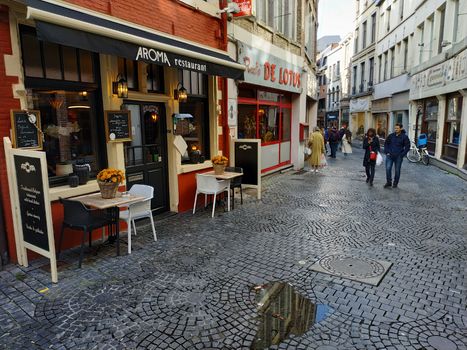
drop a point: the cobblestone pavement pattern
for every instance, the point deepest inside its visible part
(192, 288)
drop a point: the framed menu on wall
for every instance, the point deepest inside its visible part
(118, 126)
(26, 129)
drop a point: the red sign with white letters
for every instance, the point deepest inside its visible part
(246, 8)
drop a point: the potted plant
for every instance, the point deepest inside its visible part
(219, 163)
(108, 180)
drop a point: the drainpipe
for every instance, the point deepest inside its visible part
(3, 245)
(224, 107)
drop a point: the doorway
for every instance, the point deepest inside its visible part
(146, 154)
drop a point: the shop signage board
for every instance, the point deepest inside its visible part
(28, 180)
(440, 79)
(118, 126)
(247, 155)
(264, 69)
(26, 132)
(247, 8)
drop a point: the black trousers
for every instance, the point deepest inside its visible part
(370, 171)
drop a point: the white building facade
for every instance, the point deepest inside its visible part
(363, 67)
(438, 79)
(276, 102)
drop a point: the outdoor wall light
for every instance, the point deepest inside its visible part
(120, 87)
(180, 94)
(154, 116)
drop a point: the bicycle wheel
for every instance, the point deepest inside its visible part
(425, 158)
(413, 155)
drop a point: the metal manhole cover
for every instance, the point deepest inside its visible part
(355, 268)
(441, 343)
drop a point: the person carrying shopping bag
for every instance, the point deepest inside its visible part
(316, 144)
(347, 143)
(372, 148)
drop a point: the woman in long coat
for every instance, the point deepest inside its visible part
(347, 142)
(370, 144)
(316, 144)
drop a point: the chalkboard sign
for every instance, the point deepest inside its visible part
(30, 188)
(246, 157)
(26, 129)
(118, 126)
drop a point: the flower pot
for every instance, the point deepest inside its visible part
(108, 189)
(218, 169)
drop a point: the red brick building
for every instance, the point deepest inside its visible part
(62, 58)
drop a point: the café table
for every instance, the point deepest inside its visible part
(113, 205)
(226, 175)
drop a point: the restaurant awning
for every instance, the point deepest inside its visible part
(70, 25)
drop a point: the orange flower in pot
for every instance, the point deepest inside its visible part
(219, 163)
(108, 180)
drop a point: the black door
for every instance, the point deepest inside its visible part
(146, 155)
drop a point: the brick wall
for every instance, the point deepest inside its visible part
(169, 16)
(7, 102)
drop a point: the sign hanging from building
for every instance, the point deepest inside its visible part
(264, 69)
(247, 8)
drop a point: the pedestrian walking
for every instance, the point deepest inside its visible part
(342, 131)
(316, 144)
(333, 141)
(371, 147)
(396, 147)
(347, 143)
(325, 134)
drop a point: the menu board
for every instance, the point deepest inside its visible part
(30, 187)
(247, 155)
(26, 129)
(118, 126)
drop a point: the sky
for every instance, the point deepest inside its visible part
(335, 17)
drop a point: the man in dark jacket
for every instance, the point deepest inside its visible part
(333, 141)
(396, 147)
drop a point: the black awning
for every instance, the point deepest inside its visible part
(139, 44)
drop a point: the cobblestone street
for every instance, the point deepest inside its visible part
(192, 289)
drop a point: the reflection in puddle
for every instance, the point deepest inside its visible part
(282, 313)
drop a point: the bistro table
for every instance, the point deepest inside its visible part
(226, 175)
(113, 205)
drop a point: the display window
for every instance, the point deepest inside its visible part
(267, 117)
(381, 124)
(430, 123)
(452, 127)
(194, 129)
(61, 82)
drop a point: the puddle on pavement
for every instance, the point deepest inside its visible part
(282, 313)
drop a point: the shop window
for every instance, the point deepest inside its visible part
(382, 126)
(268, 123)
(129, 70)
(452, 128)
(69, 124)
(54, 62)
(246, 121)
(430, 124)
(247, 92)
(195, 130)
(155, 78)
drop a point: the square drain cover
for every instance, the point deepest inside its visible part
(363, 270)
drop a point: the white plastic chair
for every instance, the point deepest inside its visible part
(210, 185)
(139, 210)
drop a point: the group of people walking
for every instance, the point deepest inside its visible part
(396, 147)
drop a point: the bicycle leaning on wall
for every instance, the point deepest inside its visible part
(418, 151)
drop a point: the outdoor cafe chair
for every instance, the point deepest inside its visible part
(139, 210)
(209, 185)
(235, 183)
(77, 217)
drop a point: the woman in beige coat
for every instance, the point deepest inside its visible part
(316, 144)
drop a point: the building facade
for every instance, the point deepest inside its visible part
(438, 80)
(63, 60)
(277, 99)
(363, 67)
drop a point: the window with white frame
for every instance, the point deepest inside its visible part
(309, 32)
(280, 15)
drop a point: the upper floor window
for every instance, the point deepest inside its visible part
(280, 15)
(388, 18)
(373, 27)
(364, 35)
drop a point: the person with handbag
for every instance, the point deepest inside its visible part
(372, 148)
(316, 144)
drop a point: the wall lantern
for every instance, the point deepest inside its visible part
(180, 94)
(154, 116)
(120, 87)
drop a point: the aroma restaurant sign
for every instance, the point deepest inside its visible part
(265, 69)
